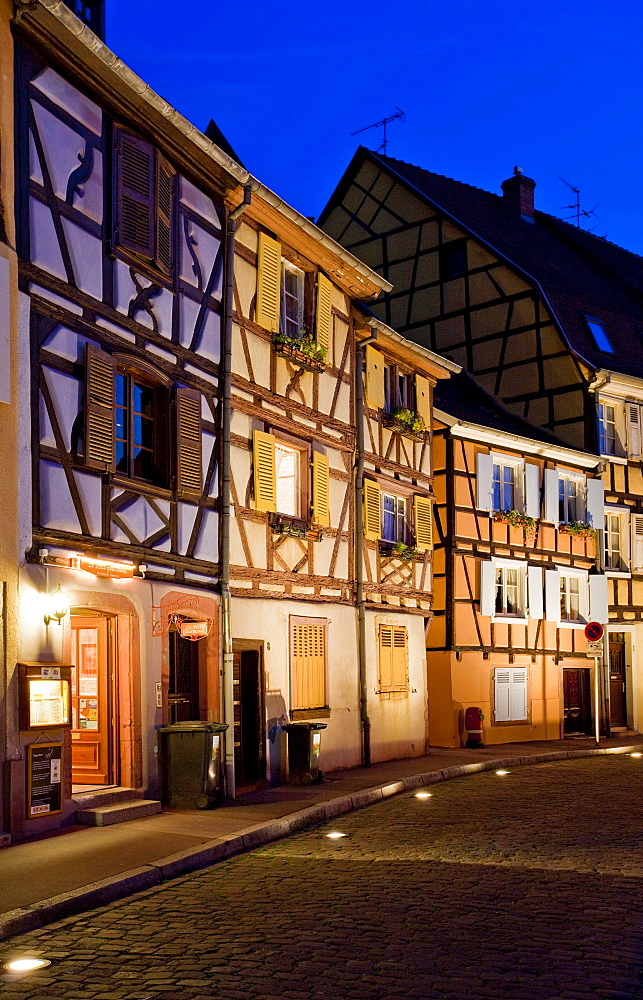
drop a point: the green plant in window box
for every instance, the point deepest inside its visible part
(403, 551)
(578, 529)
(516, 519)
(303, 350)
(407, 421)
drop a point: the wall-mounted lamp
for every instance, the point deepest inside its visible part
(57, 606)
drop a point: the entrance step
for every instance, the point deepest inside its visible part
(120, 812)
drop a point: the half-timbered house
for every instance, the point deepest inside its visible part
(545, 316)
(516, 577)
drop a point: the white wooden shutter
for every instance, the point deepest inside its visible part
(484, 481)
(637, 542)
(518, 695)
(551, 495)
(598, 599)
(595, 503)
(633, 420)
(535, 591)
(487, 587)
(532, 489)
(502, 684)
(552, 595)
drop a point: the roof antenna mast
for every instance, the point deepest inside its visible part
(382, 123)
(576, 207)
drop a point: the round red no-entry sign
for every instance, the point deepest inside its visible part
(594, 631)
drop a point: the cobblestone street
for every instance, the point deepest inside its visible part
(527, 886)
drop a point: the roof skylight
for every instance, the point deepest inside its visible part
(599, 335)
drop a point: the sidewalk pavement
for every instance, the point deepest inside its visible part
(80, 867)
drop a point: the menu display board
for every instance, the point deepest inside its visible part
(45, 698)
(44, 779)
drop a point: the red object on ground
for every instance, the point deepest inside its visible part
(473, 724)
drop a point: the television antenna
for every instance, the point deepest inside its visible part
(382, 123)
(579, 212)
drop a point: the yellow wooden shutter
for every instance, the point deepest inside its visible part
(309, 665)
(372, 510)
(423, 512)
(265, 479)
(374, 378)
(386, 657)
(399, 659)
(324, 317)
(423, 399)
(268, 283)
(321, 489)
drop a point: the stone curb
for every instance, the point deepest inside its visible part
(36, 915)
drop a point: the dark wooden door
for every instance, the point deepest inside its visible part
(183, 688)
(91, 732)
(249, 735)
(618, 699)
(577, 701)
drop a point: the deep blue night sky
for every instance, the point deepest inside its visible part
(554, 87)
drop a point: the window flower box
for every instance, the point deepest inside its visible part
(302, 351)
(577, 529)
(296, 527)
(516, 519)
(398, 550)
(406, 422)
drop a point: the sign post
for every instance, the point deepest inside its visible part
(594, 636)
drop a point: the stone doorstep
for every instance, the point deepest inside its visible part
(105, 796)
(120, 812)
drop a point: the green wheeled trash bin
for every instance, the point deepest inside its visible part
(191, 764)
(304, 745)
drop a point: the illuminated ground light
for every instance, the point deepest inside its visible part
(423, 795)
(503, 772)
(26, 964)
(335, 835)
(636, 755)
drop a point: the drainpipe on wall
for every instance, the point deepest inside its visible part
(359, 547)
(224, 554)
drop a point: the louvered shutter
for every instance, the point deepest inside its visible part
(189, 473)
(374, 378)
(423, 399)
(637, 542)
(265, 478)
(324, 317)
(633, 413)
(552, 595)
(308, 644)
(100, 382)
(399, 665)
(372, 510)
(595, 503)
(423, 515)
(502, 695)
(535, 591)
(321, 490)
(268, 283)
(164, 187)
(487, 587)
(386, 657)
(134, 211)
(532, 489)
(484, 481)
(552, 507)
(598, 599)
(518, 695)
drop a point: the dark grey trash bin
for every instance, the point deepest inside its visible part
(304, 746)
(191, 764)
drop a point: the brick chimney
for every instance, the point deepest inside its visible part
(518, 193)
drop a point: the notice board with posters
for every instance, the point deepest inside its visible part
(44, 779)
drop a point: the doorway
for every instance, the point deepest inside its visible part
(618, 692)
(183, 694)
(577, 701)
(93, 733)
(249, 728)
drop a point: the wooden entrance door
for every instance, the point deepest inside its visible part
(183, 688)
(91, 702)
(618, 698)
(249, 730)
(577, 701)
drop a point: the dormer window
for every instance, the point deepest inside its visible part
(599, 335)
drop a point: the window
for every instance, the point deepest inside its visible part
(282, 483)
(386, 517)
(571, 500)
(572, 598)
(394, 527)
(510, 589)
(504, 486)
(292, 300)
(507, 482)
(399, 389)
(616, 537)
(607, 437)
(127, 426)
(393, 652)
(600, 337)
(308, 663)
(510, 694)
(288, 479)
(453, 260)
(143, 204)
(571, 496)
(508, 592)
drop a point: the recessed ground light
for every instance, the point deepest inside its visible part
(26, 964)
(335, 835)
(503, 772)
(423, 795)
(636, 755)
